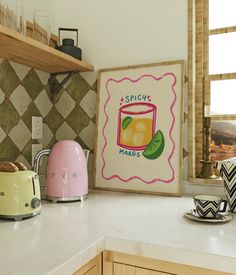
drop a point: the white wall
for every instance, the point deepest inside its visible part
(121, 32)
(126, 32)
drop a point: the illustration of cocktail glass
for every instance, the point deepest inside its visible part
(136, 125)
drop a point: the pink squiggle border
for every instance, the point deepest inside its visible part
(170, 131)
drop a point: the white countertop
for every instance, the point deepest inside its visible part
(67, 235)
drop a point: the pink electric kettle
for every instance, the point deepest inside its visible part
(67, 175)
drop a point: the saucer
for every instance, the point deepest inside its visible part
(220, 218)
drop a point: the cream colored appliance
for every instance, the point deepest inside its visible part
(19, 195)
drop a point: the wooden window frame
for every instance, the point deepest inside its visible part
(199, 82)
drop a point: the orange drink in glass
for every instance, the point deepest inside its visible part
(136, 125)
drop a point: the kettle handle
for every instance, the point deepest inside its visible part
(38, 157)
(67, 29)
(86, 153)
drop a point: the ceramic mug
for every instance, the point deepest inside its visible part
(209, 206)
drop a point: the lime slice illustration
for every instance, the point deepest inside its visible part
(126, 122)
(155, 147)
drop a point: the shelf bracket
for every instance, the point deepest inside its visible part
(54, 86)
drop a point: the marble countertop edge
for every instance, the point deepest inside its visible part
(172, 254)
(155, 251)
(80, 259)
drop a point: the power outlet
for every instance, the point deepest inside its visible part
(37, 127)
(35, 149)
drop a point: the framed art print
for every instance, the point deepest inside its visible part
(139, 129)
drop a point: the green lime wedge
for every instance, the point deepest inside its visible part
(126, 122)
(155, 147)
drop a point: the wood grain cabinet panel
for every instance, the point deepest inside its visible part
(122, 269)
(27, 51)
(92, 271)
(93, 267)
(116, 263)
(142, 271)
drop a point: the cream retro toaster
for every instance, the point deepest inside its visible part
(19, 195)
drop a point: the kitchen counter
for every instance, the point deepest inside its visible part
(67, 235)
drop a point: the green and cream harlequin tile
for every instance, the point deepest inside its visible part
(24, 161)
(2, 134)
(61, 77)
(20, 99)
(51, 143)
(32, 84)
(90, 77)
(9, 116)
(20, 70)
(2, 96)
(77, 87)
(9, 151)
(185, 132)
(65, 132)
(185, 153)
(94, 119)
(8, 78)
(54, 120)
(81, 143)
(42, 76)
(32, 110)
(43, 103)
(47, 135)
(88, 103)
(55, 97)
(90, 163)
(65, 104)
(87, 135)
(78, 119)
(20, 135)
(185, 98)
(95, 86)
(27, 151)
(185, 168)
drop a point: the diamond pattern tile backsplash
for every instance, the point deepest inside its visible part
(24, 93)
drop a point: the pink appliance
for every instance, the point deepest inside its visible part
(67, 175)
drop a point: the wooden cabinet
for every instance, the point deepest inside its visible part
(123, 269)
(27, 51)
(93, 267)
(142, 271)
(115, 263)
(92, 271)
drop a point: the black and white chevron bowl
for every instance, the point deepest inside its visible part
(207, 208)
(228, 173)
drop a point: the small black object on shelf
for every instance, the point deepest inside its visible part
(68, 45)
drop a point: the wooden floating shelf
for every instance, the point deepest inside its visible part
(27, 51)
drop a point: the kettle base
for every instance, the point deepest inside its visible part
(66, 199)
(19, 217)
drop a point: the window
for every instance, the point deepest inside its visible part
(212, 78)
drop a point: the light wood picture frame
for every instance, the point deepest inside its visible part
(139, 129)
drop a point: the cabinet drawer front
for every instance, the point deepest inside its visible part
(122, 269)
(142, 271)
(92, 271)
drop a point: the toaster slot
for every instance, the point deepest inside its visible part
(33, 186)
